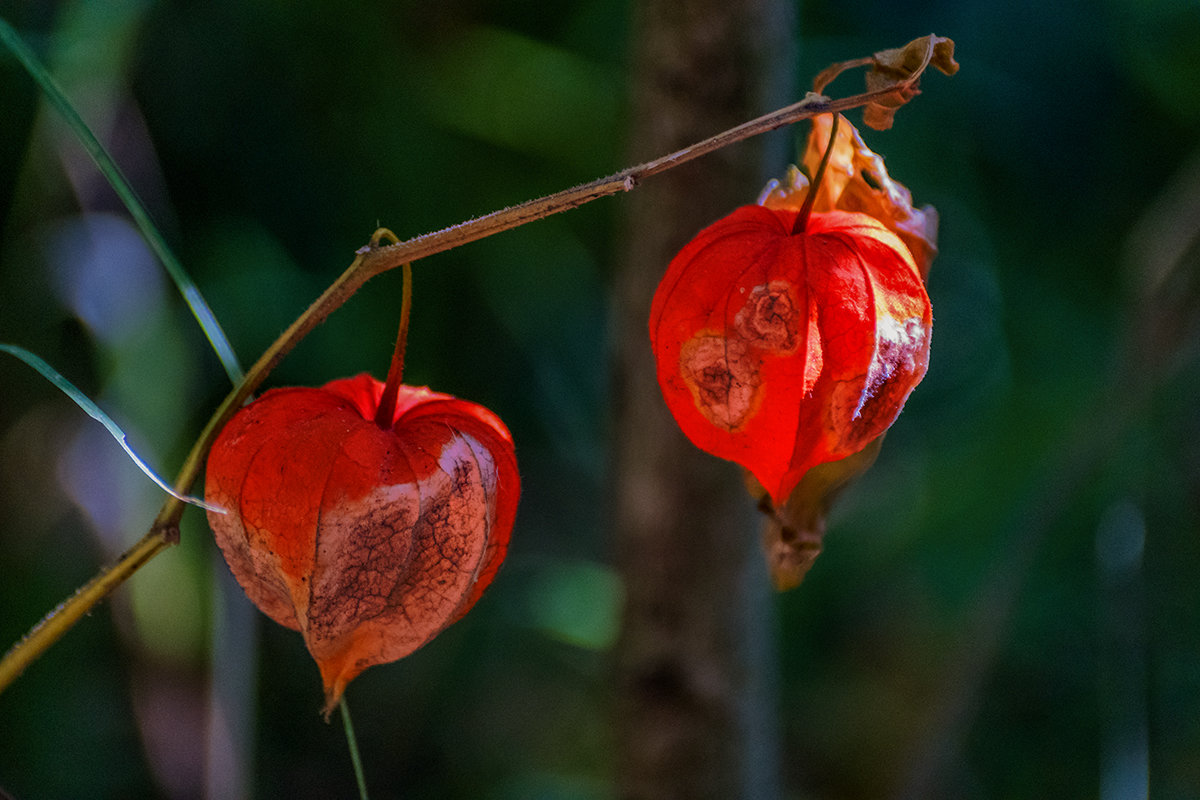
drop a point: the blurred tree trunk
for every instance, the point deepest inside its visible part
(696, 656)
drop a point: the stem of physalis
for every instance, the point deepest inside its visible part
(391, 389)
(814, 186)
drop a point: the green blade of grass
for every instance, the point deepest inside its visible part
(110, 170)
(94, 411)
(352, 742)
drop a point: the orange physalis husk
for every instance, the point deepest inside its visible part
(785, 344)
(368, 540)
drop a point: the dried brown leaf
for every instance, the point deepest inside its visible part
(896, 74)
(900, 70)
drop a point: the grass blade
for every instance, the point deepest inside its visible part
(352, 741)
(94, 411)
(187, 287)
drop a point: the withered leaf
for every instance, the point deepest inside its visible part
(896, 74)
(900, 69)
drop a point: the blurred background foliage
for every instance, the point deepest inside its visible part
(1007, 604)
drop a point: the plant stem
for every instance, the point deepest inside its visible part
(60, 620)
(352, 743)
(369, 261)
(815, 185)
(387, 403)
(391, 390)
(389, 257)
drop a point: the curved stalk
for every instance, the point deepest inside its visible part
(372, 260)
(391, 389)
(815, 185)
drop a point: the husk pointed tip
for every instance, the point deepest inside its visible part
(333, 696)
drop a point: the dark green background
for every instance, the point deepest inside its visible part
(985, 607)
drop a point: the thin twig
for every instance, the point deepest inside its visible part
(372, 260)
(382, 259)
(65, 615)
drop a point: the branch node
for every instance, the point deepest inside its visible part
(168, 532)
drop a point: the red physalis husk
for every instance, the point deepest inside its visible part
(782, 346)
(368, 540)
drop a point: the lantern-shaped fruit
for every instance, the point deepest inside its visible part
(369, 538)
(789, 335)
